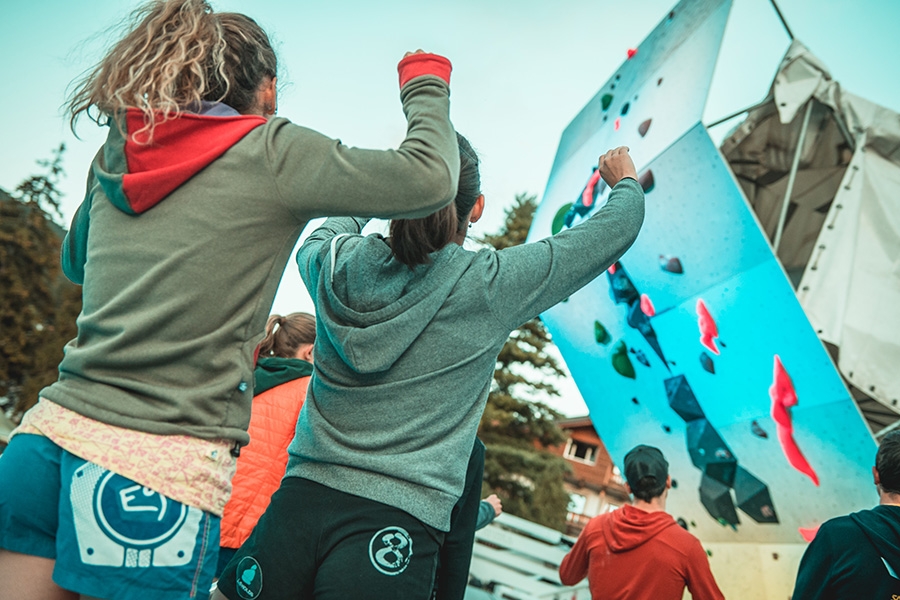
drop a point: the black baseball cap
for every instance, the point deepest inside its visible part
(645, 461)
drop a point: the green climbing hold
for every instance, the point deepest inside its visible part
(620, 361)
(560, 219)
(601, 334)
(605, 101)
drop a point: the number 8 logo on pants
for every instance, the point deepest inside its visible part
(390, 550)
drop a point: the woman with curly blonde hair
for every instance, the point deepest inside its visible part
(114, 483)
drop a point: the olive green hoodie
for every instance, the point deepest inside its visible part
(181, 244)
(405, 357)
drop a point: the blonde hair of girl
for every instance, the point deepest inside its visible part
(176, 54)
(285, 335)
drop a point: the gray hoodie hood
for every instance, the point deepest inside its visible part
(371, 297)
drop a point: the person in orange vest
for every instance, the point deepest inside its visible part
(282, 374)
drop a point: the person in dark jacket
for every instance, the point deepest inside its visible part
(468, 516)
(639, 552)
(858, 555)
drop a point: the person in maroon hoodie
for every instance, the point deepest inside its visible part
(639, 552)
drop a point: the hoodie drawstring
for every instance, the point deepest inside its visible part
(333, 253)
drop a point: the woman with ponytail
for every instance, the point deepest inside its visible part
(114, 484)
(279, 389)
(410, 329)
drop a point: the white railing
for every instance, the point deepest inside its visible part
(519, 560)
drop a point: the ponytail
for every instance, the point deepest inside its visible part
(412, 240)
(176, 54)
(285, 335)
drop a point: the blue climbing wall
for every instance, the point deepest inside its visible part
(694, 342)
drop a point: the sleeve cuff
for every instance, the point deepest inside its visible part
(416, 65)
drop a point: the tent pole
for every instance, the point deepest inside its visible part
(734, 114)
(893, 426)
(783, 22)
(792, 177)
(843, 129)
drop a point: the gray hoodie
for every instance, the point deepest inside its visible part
(178, 283)
(404, 358)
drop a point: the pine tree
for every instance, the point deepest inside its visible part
(517, 425)
(38, 306)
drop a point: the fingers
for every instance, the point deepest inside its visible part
(615, 165)
(494, 501)
(615, 152)
(419, 51)
(610, 154)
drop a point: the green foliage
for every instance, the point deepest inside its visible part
(38, 306)
(516, 425)
(518, 221)
(529, 482)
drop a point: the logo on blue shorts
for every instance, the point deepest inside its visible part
(120, 523)
(136, 516)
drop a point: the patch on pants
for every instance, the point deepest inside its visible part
(390, 550)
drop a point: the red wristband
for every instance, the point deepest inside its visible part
(416, 65)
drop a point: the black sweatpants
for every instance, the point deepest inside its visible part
(317, 542)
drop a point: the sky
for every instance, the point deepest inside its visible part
(521, 71)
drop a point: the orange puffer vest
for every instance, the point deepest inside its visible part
(262, 462)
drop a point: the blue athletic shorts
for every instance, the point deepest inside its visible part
(111, 537)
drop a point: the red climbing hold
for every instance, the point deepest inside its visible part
(708, 329)
(617, 123)
(647, 306)
(783, 398)
(631, 53)
(808, 533)
(587, 195)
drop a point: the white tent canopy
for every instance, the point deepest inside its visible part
(840, 231)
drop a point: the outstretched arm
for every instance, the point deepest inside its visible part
(527, 280)
(316, 175)
(309, 254)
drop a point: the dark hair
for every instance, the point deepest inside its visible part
(285, 335)
(648, 488)
(469, 187)
(248, 60)
(412, 240)
(887, 463)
